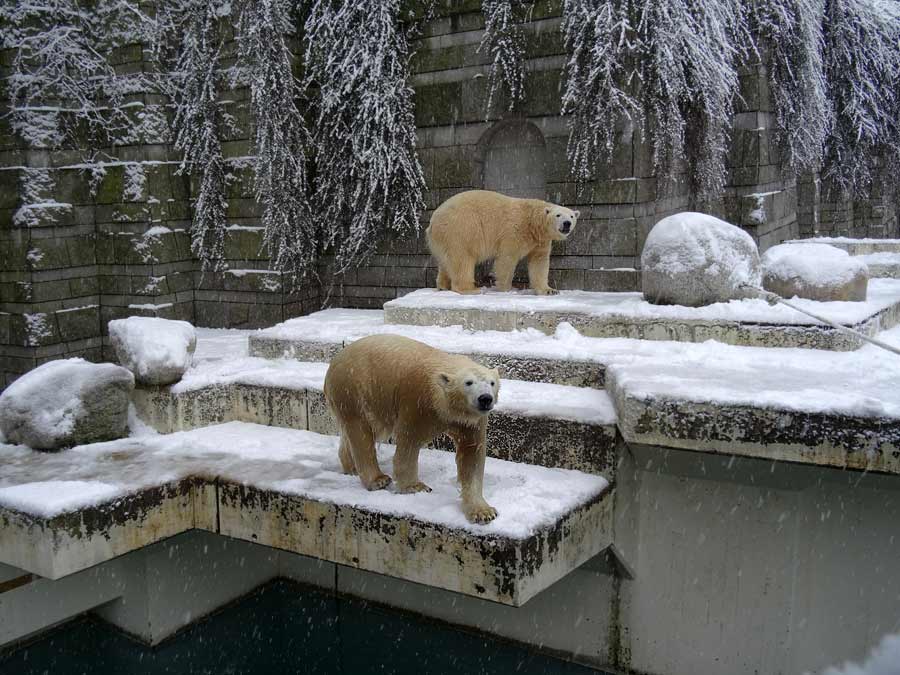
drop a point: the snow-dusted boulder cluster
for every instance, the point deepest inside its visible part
(694, 259)
(156, 351)
(814, 271)
(65, 403)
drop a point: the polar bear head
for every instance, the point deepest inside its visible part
(472, 389)
(560, 221)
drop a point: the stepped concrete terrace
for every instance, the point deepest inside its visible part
(854, 246)
(787, 404)
(62, 513)
(535, 423)
(750, 322)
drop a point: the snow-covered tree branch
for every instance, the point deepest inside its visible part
(368, 178)
(61, 82)
(862, 64)
(504, 41)
(280, 137)
(596, 96)
(790, 33)
(195, 90)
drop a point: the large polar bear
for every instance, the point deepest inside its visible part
(388, 386)
(478, 225)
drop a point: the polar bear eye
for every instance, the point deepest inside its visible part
(492, 383)
(558, 215)
(469, 383)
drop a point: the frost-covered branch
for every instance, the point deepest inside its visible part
(862, 64)
(596, 96)
(669, 65)
(368, 178)
(195, 88)
(504, 41)
(61, 81)
(790, 32)
(280, 136)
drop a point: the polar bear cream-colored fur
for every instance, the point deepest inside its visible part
(390, 387)
(479, 225)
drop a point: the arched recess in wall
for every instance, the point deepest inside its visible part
(511, 159)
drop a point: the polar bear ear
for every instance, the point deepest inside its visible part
(444, 379)
(577, 213)
(497, 373)
(547, 210)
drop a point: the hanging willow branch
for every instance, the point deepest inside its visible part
(368, 178)
(504, 41)
(194, 89)
(280, 137)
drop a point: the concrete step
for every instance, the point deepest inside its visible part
(565, 358)
(826, 413)
(63, 513)
(535, 423)
(854, 246)
(884, 265)
(627, 315)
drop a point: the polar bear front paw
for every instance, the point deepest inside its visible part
(379, 483)
(410, 489)
(481, 513)
(546, 291)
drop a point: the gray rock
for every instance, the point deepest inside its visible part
(158, 351)
(814, 271)
(65, 403)
(694, 259)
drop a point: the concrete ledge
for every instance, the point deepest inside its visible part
(538, 440)
(626, 315)
(819, 438)
(504, 570)
(70, 542)
(572, 372)
(279, 488)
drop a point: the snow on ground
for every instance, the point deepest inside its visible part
(302, 463)
(884, 659)
(882, 293)
(221, 343)
(863, 382)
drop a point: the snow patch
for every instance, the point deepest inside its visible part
(815, 264)
(884, 659)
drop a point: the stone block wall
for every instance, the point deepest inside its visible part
(115, 243)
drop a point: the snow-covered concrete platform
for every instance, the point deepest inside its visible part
(61, 513)
(536, 423)
(885, 265)
(750, 322)
(804, 406)
(855, 246)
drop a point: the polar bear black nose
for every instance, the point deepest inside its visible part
(566, 226)
(485, 401)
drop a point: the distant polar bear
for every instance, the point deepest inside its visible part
(388, 386)
(478, 225)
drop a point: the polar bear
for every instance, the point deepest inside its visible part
(478, 225)
(388, 386)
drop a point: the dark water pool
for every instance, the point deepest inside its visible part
(283, 629)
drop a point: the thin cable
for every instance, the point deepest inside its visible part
(772, 298)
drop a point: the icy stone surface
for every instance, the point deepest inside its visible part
(814, 271)
(157, 351)
(693, 259)
(884, 659)
(66, 402)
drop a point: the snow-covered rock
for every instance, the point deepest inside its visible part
(65, 403)
(157, 351)
(814, 271)
(694, 259)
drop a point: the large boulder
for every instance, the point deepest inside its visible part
(814, 271)
(67, 402)
(694, 259)
(157, 351)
